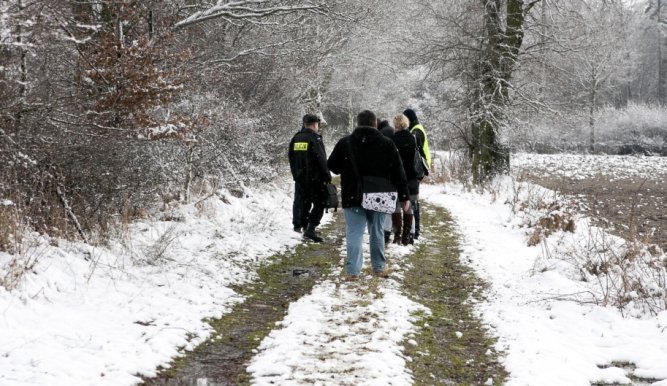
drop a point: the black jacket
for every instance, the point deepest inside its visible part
(308, 159)
(407, 145)
(375, 155)
(386, 129)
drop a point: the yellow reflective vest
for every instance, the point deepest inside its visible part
(425, 148)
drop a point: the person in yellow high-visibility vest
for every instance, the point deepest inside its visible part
(417, 129)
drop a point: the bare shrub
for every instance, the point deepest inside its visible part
(155, 253)
(554, 220)
(544, 211)
(626, 273)
(450, 166)
(20, 264)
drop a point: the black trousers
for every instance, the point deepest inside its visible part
(415, 211)
(308, 206)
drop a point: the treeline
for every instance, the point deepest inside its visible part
(111, 108)
(590, 76)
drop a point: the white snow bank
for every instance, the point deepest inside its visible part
(548, 336)
(87, 315)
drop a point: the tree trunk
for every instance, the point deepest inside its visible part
(591, 117)
(23, 64)
(661, 63)
(488, 157)
(504, 37)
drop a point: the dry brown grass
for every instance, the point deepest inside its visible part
(10, 234)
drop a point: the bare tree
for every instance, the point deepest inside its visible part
(656, 10)
(480, 44)
(594, 55)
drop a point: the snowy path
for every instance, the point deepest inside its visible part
(375, 331)
(342, 333)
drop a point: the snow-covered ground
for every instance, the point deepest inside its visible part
(96, 316)
(550, 335)
(342, 333)
(99, 316)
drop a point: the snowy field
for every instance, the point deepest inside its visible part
(625, 194)
(582, 166)
(100, 316)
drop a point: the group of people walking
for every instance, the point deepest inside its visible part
(374, 153)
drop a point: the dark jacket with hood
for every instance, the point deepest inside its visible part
(406, 144)
(375, 155)
(308, 160)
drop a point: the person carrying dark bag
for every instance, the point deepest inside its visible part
(308, 164)
(360, 158)
(406, 144)
(417, 129)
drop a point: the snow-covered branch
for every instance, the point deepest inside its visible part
(248, 10)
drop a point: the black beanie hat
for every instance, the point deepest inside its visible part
(410, 113)
(383, 124)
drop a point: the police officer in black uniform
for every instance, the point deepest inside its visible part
(308, 163)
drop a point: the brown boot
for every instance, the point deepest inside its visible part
(407, 227)
(396, 227)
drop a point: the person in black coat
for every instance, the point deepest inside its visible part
(308, 164)
(374, 156)
(407, 146)
(386, 129)
(419, 132)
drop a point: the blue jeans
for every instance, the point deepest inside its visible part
(356, 220)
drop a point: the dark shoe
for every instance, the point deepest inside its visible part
(351, 277)
(383, 273)
(387, 237)
(310, 234)
(297, 229)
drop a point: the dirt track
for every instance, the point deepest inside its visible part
(433, 276)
